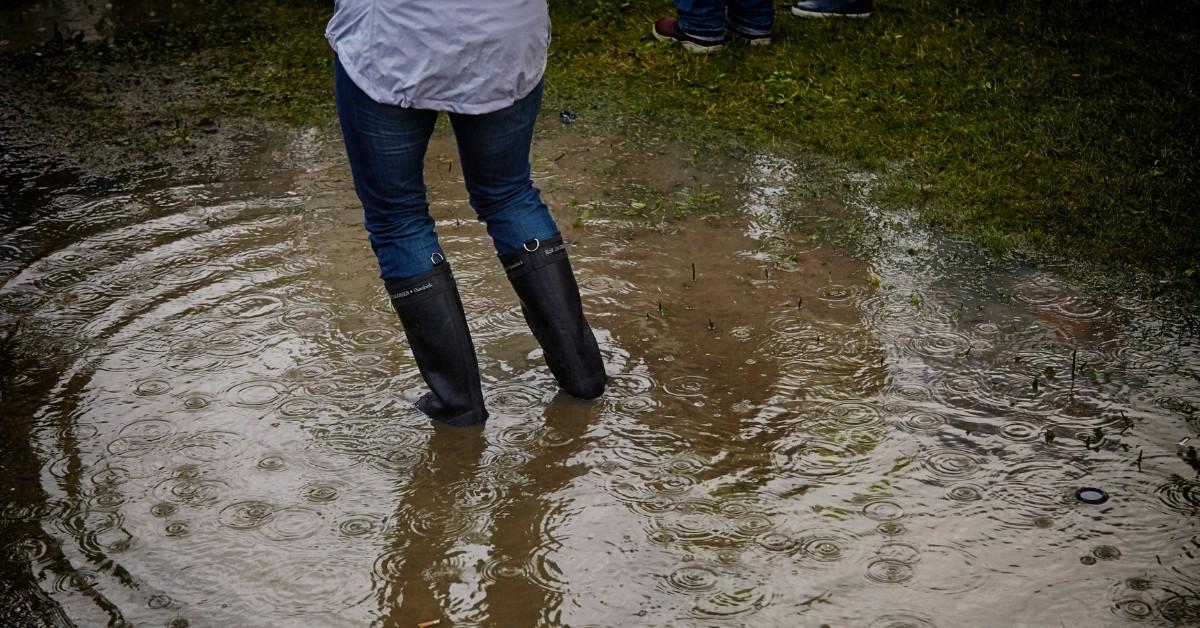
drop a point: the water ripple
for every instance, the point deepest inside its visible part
(246, 515)
(902, 620)
(732, 600)
(829, 545)
(883, 510)
(687, 386)
(1180, 495)
(951, 465)
(543, 569)
(691, 579)
(816, 458)
(358, 526)
(292, 524)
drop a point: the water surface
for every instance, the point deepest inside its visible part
(208, 418)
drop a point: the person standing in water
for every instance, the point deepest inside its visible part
(397, 65)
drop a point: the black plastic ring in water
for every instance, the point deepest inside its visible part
(1089, 495)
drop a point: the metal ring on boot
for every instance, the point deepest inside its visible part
(535, 246)
(433, 258)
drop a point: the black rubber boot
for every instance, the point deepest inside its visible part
(436, 327)
(541, 275)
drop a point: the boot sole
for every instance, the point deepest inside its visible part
(687, 45)
(803, 13)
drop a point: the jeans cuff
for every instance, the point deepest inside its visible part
(703, 34)
(400, 266)
(747, 28)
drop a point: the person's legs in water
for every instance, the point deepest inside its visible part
(494, 150)
(386, 147)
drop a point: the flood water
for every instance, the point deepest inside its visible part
(30, 22)
(207, 417)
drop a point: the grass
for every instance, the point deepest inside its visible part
(1068, 127)
(1062, 127)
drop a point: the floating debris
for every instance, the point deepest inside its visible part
(1090, 495)
(1192, 459)
(1074, 357)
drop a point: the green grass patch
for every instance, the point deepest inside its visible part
(1064, 127)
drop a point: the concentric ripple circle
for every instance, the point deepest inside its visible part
(692, 578)
(885, 571)
(292, 524)
(883, 510)
(357, 526)
(245, 515)
(951, 465)
(828, 546)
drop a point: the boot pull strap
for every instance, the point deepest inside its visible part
(544, 254)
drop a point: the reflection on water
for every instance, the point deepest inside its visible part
(33, 22)
(209, 422)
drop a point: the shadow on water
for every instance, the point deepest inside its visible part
(208, 419)
(477, 537)
(22, 599)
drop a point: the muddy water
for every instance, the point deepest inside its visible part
(207, 418)
(31, 22)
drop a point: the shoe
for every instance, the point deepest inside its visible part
(436, 327)
(753, 40)
(542, 278)
(832, 8)
(667, 29)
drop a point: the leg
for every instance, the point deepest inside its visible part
(494, 149)
(752, 18)
(386, 148)
(540, 273)
(432, 314)
(702, 19)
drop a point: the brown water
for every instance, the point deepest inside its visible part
(31, 22)
(206, 417)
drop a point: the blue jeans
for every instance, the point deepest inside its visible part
(386, 148)
(707, 19)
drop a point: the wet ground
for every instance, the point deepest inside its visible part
(207, 417)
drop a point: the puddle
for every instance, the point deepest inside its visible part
(208, 423)
(29, 23)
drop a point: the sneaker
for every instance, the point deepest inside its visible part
(832, 8)
(753, 40)
(667, 29)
